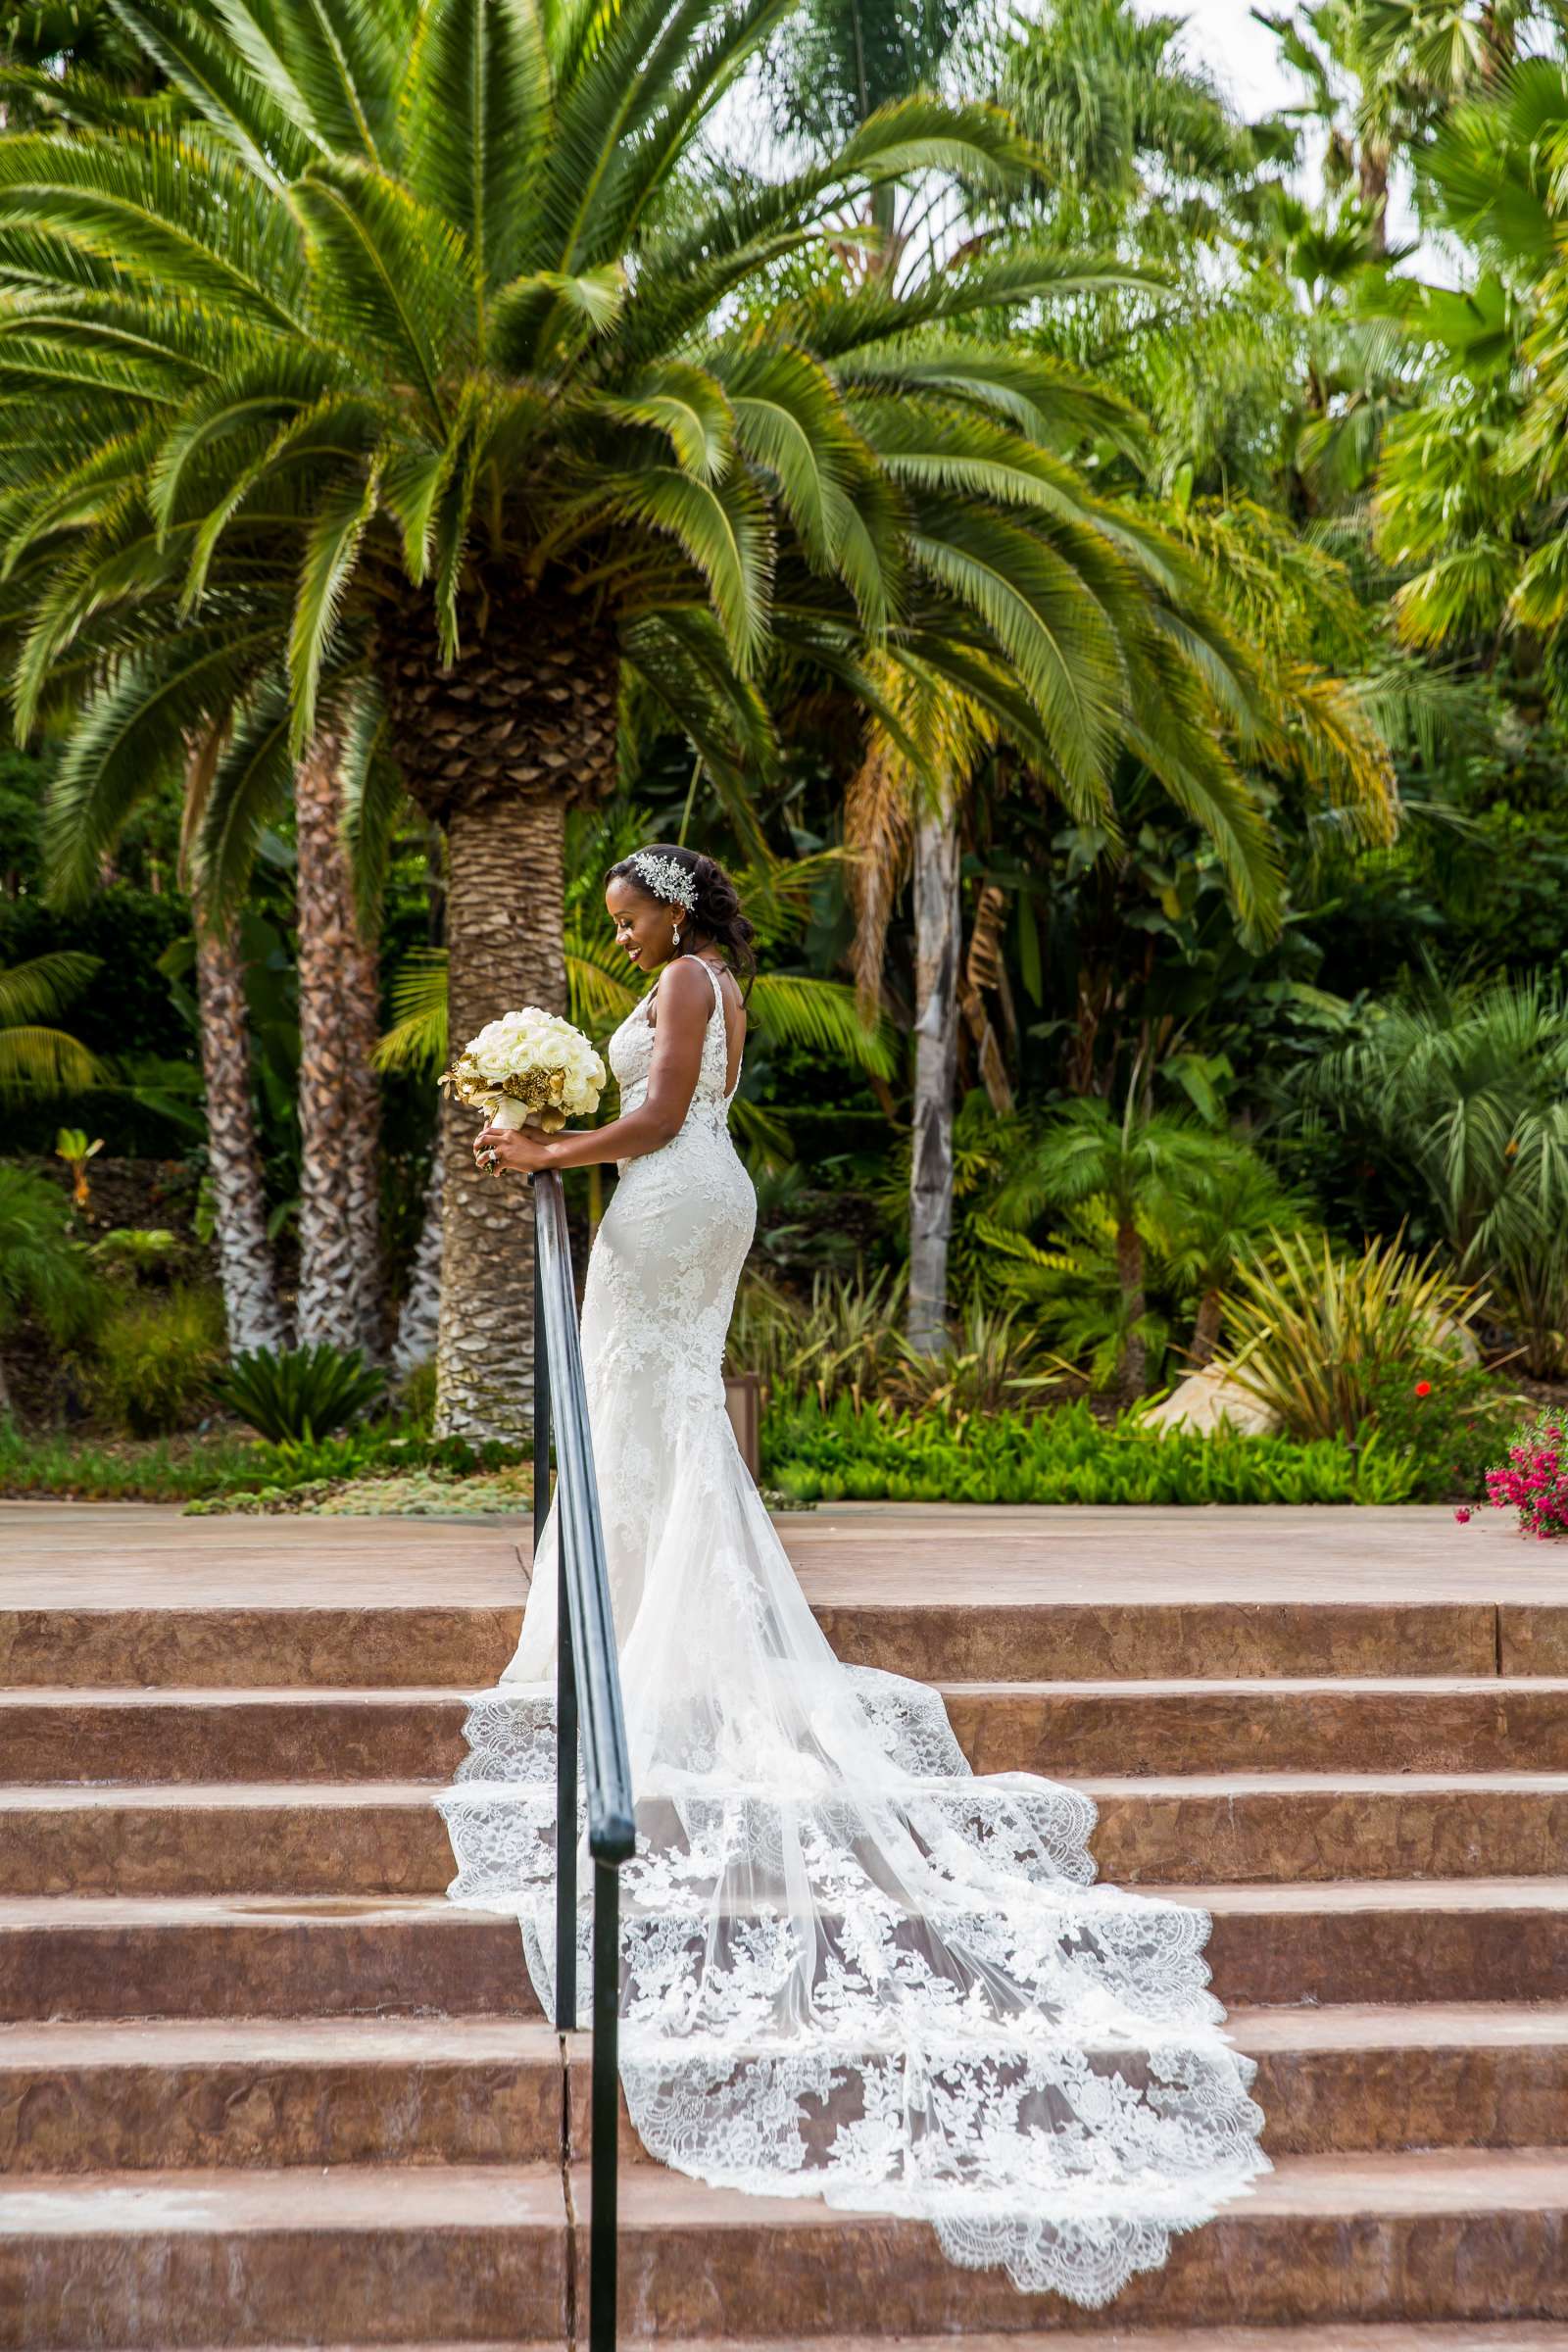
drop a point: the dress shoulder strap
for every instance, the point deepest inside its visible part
(713, 973)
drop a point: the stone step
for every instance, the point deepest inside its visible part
(1501, 2335)
(56, 1736)
(424, 1645)
(163, 1646)
(997, 1641)
(1298, 1828)
(375, 1838)
(96, 1956)
(172, 2093)
(105, 1956)
(390, 2255)
(50, 1735)
(154, 2261)
(307, 1838)
(1431, 2237)
(1449, 1723)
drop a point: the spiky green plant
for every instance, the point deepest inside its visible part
(1313, 1333)
(302, 1394)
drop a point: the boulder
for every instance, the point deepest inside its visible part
(1204, 1399)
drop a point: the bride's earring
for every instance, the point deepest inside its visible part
(674, 933)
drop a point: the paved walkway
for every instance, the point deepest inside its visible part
(111, 1555)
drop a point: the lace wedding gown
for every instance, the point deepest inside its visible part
(850, 1967)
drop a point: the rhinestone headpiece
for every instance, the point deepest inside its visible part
(665, 878)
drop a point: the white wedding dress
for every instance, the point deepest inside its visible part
(850, 1967)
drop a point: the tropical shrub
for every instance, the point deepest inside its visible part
(843, 1342)
(1319, 1336)
(1449, 1421)
(304, 1392)
(843, 1451)
(1126, 1167)
(1465, 1090)
(415, 1395)
(1533, 1478)
(42, 1272)
(136, 1252)
(155, 1357)
(1073, 1288)
(980, 1370)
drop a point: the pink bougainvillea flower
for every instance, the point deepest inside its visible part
(1462, 1514)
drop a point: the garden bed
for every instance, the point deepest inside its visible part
(846, 1454)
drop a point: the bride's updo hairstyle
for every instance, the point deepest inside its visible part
(716, 912)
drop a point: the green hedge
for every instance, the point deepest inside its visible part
(842, 1454)
(81, 1470)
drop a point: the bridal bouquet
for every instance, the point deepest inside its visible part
(528, 1069)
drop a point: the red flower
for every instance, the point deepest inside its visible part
(1462, 1514)
(1423, 1388)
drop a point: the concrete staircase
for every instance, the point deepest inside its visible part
(261, 2085)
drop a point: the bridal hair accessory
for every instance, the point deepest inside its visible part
(527, 1069)
(665, 878)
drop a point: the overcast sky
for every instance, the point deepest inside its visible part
(1236, 50)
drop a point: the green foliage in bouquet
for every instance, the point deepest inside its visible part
(304, 1392)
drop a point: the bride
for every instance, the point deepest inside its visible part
(850, 1967)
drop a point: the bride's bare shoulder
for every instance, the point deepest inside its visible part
(683, 991)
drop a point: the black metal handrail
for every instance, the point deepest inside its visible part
(588, 1705)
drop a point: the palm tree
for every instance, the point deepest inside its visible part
(1468, 498)
(432, 350)
(35, 1059)
(1128, 1165)
(1140, 142)
(1221, 1207)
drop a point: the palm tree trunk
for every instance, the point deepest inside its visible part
(1130, 1275)
(1372, 174)
(419, 1318)
(244, 1253)
(936, 1050)
(363, 1010)
(1205, 1330)
(339, 1101)
(506, 947)
(493, 748)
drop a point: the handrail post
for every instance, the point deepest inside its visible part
(566, 1674)
(606, 2109)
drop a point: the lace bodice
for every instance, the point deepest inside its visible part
(630, 1055)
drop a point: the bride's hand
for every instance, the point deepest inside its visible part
(521, 1148)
